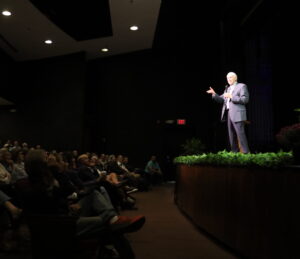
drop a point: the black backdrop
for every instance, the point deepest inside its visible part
(120, 104)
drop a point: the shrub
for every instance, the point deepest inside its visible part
(289, 137)
(224, 158)
(193, 146)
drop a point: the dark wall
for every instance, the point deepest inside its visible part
(130, 98)
(7, 119)
(6, 67)
(285, 65)
(50, 102)
(258, 74)
(121, 104)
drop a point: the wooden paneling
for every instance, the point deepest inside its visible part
(254, 211)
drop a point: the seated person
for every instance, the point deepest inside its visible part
(42, 194)
(120, 169)
(18, 165)
(9, 213)
(5, 175)
(90, 177)
(153, 169)
(13, 210)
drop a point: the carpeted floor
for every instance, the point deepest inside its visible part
(168, 234)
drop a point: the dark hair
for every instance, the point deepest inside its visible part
(15, 154)
(37, 169)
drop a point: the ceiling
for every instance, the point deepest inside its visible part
(76, 26)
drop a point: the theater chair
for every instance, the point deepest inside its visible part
(54, 236)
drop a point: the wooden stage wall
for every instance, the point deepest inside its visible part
(256, 212)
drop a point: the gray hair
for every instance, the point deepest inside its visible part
(232, 74)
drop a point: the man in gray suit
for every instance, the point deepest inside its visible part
(234, 99)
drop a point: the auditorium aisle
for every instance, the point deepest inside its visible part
(167, 234)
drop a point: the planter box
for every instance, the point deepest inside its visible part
(256, 212)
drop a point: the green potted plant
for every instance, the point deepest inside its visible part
(289, 138)
(193, 146)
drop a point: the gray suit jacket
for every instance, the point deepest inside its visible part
(237, 108)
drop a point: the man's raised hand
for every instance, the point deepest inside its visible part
(211, 91)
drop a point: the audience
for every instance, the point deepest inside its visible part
(93, 188)
(42, 194)
(90, 177)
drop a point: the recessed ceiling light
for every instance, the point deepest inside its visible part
(48, 41)
(104, 49)
(134, 28)
(6, 13)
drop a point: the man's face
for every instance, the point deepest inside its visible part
(85, 160)
(94, 160)
(231, 79)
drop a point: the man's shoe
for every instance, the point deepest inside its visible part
(108, 253)
(132, 190)
(127, 224)
(130, 199)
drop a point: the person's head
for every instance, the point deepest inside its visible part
(153, 158)
(5, 155)
(84, 160)
(56, 163)
(94, 160)
(51, 158)
(125, 159)
(37, 168)
(38, 155)
(120, 158)
(111, 158)
(231, 78)
(17, 156)
(75, 153)
(102, 157)
(70, 160)
(6, 146)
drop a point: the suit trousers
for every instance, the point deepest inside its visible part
(237, 136)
